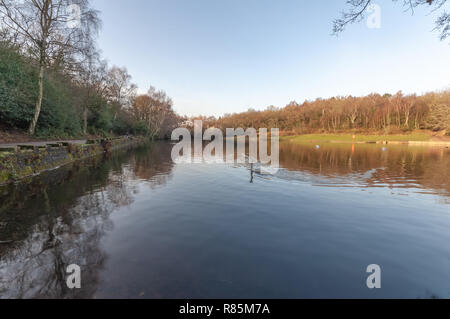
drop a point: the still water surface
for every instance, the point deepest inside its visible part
(141, 226)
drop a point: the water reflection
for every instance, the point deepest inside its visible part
(62, 217)
(59, 218)
(362, 165)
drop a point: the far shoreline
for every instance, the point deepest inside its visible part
(422, 138)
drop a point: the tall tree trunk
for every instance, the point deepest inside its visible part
(37, 110)
(407, 119)
(85, 113)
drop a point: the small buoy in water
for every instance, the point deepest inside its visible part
(318, 147)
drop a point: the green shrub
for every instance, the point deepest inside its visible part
(17, 88)
(18, 92)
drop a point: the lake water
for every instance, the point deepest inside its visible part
(141, 226)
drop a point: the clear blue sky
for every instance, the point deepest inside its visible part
(222, 56)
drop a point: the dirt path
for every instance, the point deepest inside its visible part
(11, 137)
(41, 143)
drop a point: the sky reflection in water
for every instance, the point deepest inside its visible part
(141, 226)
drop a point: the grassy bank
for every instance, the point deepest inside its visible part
(348, 138)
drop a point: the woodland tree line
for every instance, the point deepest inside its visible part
(373, 113)
(54, 82)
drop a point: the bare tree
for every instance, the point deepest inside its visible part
(119, 86)
(51, 30)
(155, 109)
(161, 108)
(358, 8)
(119, 89)
(92, 76)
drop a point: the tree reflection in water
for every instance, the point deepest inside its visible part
(59, 219)
(365, 165)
